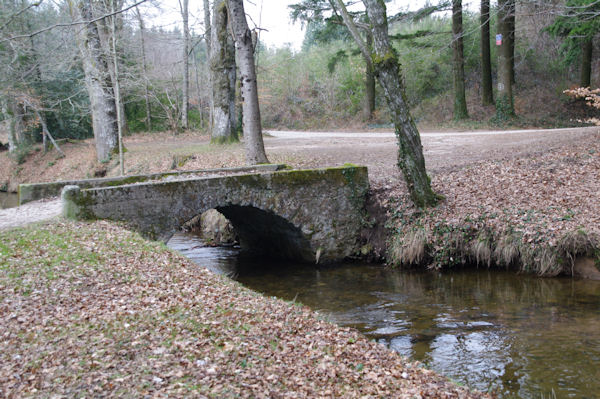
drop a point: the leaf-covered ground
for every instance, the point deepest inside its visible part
(93, 310)
(536, 212)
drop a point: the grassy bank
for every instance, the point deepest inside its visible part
(95, 310)
(536, 214)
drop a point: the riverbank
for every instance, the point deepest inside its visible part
(90, 308)
(537, 214)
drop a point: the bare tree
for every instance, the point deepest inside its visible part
(255, 149)
(116, 85)
(144, 68)
(222, 77)
(387, 69)
(98, 81)
(186, 64)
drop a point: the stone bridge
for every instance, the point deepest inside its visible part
(309, 215)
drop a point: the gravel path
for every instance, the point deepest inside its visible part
(443, 151)
(31, 212)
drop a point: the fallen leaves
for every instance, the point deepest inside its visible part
(94, 310)
(541, 199)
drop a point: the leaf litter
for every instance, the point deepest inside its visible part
(91, 309)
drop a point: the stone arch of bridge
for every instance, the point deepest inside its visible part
(264, 233)
(314, 215)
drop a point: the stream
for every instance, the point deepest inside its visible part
(516, 335)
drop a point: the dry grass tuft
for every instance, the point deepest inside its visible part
(507, 251)
(547, 262)
(576, 244)
(409, 249)
(480, 249)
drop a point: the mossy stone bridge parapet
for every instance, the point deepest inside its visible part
(310, 215)
(36, 191)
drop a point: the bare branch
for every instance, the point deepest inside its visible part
(21, 11)
(74, 23)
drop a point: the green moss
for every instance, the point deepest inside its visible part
(381, 62)
(345, 174)
(225, 140)
(80, 206)
(504, 110)
(298, 177)
(122, 181)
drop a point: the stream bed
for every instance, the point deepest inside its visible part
(516, 335)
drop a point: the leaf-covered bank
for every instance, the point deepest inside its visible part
(537, 214)
(95, 310)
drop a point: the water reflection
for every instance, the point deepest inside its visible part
(517, 335)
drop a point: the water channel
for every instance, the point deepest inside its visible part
(8, 200)
(516, 335)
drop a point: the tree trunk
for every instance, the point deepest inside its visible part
(587, 48)
(98, 83)
(116, 85)
(387, 69)
(16, 134)
(232, 75)
(144, 69)
(255, 149)
(504, 101)
(186, 65)
(221, 59)
(369, 84)
(487, 90)
(512, 12)
(207, 40)
(105, 35)
(458, 62)
(199, 101)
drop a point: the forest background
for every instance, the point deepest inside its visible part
(321, 86)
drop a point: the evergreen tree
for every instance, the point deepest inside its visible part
(577, 25)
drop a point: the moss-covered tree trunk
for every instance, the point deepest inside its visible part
(98, 82)
(16, 134)
(458, 62)
(587, 48)
(222, 62)
(504, 101)
(387, 70)
(512, 25)
(251, 124)
(487, 90)
(369, 84)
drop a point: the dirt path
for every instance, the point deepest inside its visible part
(443, 152)
(32, 212)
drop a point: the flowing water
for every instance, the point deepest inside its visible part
(8, 200)
(516, 335)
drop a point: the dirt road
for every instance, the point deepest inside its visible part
(443, 151)
(377, 150)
